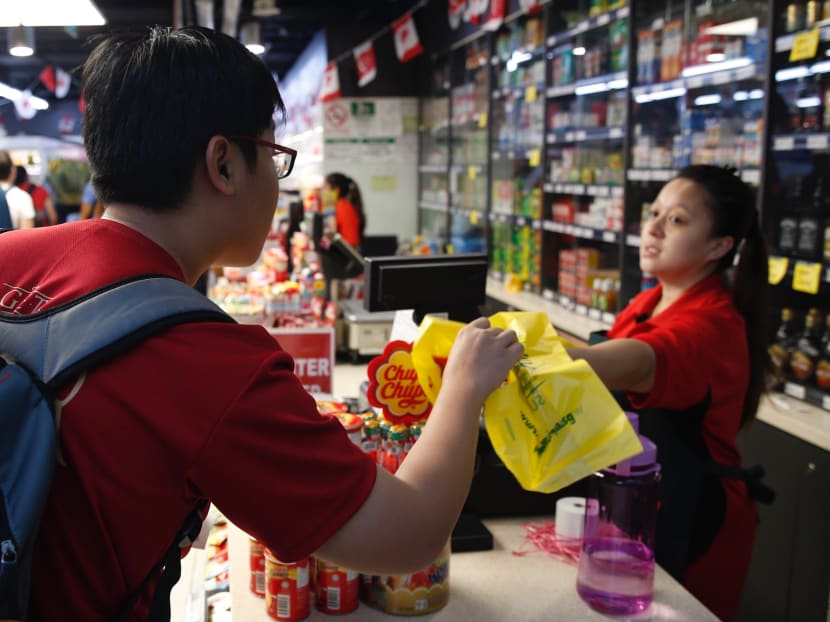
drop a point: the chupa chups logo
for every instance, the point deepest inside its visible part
(394, 387)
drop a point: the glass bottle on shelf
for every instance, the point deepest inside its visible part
(782, 346)
(807, 349)
(788, 226)
(807, 241)
(810, 101)
(823, 366)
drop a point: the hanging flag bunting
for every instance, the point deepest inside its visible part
(407, 44)
(62, 82)
(367, 69)
(66, 124)
(331, 84)
(47, 77)
(23, 105)
(496, 16)
(456, 9)
(475, 10)
(530, 6)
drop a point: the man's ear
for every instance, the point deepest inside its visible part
(219, 165)
(718, 247)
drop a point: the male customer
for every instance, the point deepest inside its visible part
(179, 131)
(16, 206)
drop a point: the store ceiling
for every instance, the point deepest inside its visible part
(286, 34)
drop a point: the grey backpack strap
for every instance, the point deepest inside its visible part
(59, 342)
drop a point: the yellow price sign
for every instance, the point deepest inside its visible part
(531, 93)
(777, 269)
(472, 171)
(474, 217)
(482, 120)
(805, 45)
(534, 158)
(807, 277)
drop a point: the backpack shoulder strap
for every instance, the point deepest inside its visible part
(61, 342)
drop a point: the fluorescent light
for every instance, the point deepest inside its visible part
(735, 63)
(738, 28)
(579, 51)
(21, 40)
(587, 89)
(707, 100)
(822, 67)
(50, 13)
(740, 96)
(667, 94)
(808, 102)
(622, 83)
(791, 73)
(756, 94)
(716, 57)
(14, 94)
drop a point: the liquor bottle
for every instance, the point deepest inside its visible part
(823, 366)
(788, 227)
(812, 13)
(810, 101)
(808, 243)
(807, 349)
(782, 346)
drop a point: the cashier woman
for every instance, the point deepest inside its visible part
(689, 356)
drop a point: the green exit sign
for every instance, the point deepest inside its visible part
(363, 109)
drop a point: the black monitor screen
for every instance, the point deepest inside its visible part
(453, 284)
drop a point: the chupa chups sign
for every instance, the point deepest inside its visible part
(394, 387)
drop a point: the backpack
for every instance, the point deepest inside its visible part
(39, 353)
(5, 213)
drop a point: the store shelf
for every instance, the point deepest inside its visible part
(678, 87)
(590, 86)
(584, 135)
(813, 141)
(784, 43)
(587, 24)
(517, 92)
(534, 52)
(433, 168)
(515, 219)
(433, 207)
(604, 319)
(649, 174)
(585, 233)
(585, 190)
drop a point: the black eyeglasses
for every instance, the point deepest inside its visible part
(283, 156)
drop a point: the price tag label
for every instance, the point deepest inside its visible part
(482, 120)
(805, 45)
(817, 141)
(777, 269)
(795, 390)
(784, 143)
(472, 171)
(807, 277)
(531, 93)
(534, 157)
(547, 294)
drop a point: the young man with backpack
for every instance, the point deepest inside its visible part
(45, 213)
(16, 208)
(179, 131)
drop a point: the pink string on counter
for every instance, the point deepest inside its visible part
(542, 537)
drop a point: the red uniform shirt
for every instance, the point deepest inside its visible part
(203, 410)
(700, 346)
(348, 222)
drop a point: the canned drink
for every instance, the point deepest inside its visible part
(257, 565)
(371, 438)
(286, 589)
(337, 589)
(393, 453)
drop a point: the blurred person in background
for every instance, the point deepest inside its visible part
(45, 212)
(17, 210)
(349, 213)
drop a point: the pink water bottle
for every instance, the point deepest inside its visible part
(616, 566)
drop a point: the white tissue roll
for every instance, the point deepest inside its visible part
(570, 517)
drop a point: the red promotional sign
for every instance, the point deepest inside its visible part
(394, 387)
(313, 352)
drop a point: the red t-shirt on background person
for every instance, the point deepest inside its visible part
(348, 222)
(702, 358)
(39, 196)
(204, 410)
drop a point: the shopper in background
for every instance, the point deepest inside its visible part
(690, 355)
(45, 213)
(13, 201)
(349, 213)
(212, 410)
(91, 207)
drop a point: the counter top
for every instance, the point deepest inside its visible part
(490, 586)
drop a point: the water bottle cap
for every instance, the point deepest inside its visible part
(643, 460)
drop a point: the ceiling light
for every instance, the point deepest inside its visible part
(251, 37)
(21, 40)
(14, 94)
(50, 13)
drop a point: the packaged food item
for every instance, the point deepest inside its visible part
(336, 589)
(257, 566)
(287, 594)
(353, 424)
(420, 593)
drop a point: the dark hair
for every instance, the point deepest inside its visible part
(347, 189)
(732, 204)
(155, 99)
(22, 175)
(6, 165)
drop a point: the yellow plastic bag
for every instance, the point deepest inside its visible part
(553, 422)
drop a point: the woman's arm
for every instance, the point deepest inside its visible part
(621, 364)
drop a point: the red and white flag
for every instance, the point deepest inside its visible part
(24, 106)
(496, 15)
(62, 82)
(530, 6)
(407, 44)
(456, 12)
(331, 84)
(367, 69)
(475, 10)
(47, 77)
